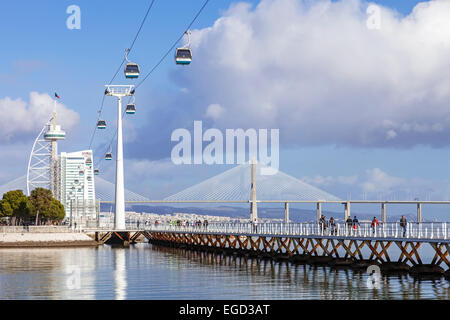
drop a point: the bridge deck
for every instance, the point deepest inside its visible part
(425, 232)
(307, 242)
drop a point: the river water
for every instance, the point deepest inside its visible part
(146, 272)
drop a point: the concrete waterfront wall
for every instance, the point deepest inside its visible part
(42, 236)
(35, 229)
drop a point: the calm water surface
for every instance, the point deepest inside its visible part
(149, 272)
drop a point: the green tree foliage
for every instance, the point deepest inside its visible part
(41, 199)
(15, 205)
(39, 206)
(45, 207)
(56, 211)
(5, 209)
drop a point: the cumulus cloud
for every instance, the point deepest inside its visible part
(214, 111)
(319, 181)
(315, 70)
(21, 120)
(379, 181)
(376, 184)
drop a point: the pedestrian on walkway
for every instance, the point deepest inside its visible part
(403, 225)
(333, 226)
(356, 224)
(255, 225)
(323, 224)
(349, 223)
(375, 224)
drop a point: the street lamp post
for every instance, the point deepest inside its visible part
(76, 186)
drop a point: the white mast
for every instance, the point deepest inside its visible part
(119, 92)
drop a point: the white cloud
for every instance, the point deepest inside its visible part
(319, 181)
(376, 184)
(379, 181)
(214, 111)
(20, 120)
(314, 70)
(351, 180)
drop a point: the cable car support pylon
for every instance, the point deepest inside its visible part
(119, 91)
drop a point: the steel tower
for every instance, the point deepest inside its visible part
(43, 162)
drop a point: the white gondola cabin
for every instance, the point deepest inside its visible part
(101, 124)
(131, 108)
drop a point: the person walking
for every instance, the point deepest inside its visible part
(349, 223)
(255, 225)
(323, 224)
(375, 224)
(403, 224)
(333, 226)
(356, 224)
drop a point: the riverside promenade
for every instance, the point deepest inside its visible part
(42, 236)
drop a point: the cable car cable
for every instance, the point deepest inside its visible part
(173, 46)
(121, 64)
(156, 65)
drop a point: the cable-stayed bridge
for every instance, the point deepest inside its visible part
(235, 185)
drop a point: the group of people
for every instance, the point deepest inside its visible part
(353, 224)
(195, 224)
(324, 224)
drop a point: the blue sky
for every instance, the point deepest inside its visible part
(328, 140)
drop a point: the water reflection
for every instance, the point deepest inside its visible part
(150, 272)
(120, 274)
(301, 281)
(46, 274)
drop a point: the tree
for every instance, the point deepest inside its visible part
(15, 205)
(56, 211)
(5, 209)
(41, 200)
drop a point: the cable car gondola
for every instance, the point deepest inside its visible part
(183, 56)
(131, 108)
(96, 172)
(108, 156)
(101, 124)
(131, 69)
